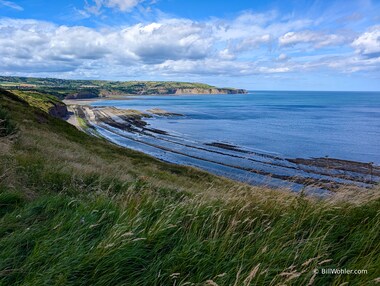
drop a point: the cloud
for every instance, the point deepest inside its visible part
(214, 67)
(354, 17)
(122, 5)
(173, 39)
(95, 6)
(246, 45)
(250, 43)
(226, 54)
(282, 57)
(368, 44)
(256, 26)
(351, 64)
(32, 41)
(11, 5)
(315, 39)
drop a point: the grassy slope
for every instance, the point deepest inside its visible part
(76, 210)
(39, 100)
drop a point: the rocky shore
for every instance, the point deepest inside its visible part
(313, 173)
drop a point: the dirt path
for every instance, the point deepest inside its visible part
(73, 117)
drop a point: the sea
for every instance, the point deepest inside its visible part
(229, 129)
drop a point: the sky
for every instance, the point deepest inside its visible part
(257, 45)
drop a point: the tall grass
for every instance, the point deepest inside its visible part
(159, 237)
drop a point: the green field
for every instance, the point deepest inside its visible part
(78, 210)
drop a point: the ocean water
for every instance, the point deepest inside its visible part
(344, 125)
(286, 124)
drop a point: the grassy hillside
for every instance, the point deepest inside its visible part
(39, 100)
(77, 210)
(95, 88)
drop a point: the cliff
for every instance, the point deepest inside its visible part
(209, 91)
(83, 94)
(58, 110)
(45, 102)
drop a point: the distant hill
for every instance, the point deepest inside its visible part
(75, 89)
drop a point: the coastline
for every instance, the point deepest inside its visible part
(87, 101)
(315, 175)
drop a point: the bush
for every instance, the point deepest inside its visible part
(7, 126)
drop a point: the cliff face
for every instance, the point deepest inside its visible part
(111, 92)
(209, 91)
(157, 91)
(59, 110)
(83, 95)
(170, 91)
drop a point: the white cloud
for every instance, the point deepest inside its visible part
(254, 26)
(226, 54)
(352, 64)
(246, 45)
(250, 43)
(212, 66)
(368, 44)
(30, 41)
(95, 7)
(122, 5)
(316, 39)
(11, 5)
(282, 57)
(174, 39)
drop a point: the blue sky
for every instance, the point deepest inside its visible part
(273, 45)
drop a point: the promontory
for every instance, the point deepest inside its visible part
(80, 89)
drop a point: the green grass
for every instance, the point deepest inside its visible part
(82, 123)
(140, 237)
(76, 210)
(39, 100)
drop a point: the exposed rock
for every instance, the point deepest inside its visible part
(226, 146)
(83, 95)
(209, 91)
(161, 112)
(112, 92)
(170, 91)
(59, 110)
